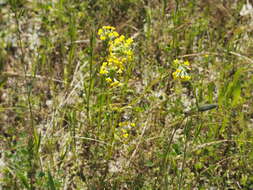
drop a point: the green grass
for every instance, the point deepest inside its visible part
(60, 122)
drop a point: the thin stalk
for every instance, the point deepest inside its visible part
(184, 158)
(31, 130)
(22, 59)
(165, 160)
(165, 3)
(195, 96)
(91, 57)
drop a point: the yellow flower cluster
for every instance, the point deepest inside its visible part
(119, 53)
(124, 127)
(181, 71)
(107, 32)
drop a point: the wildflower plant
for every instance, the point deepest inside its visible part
(124, 128)
(120, 52)
(182, 68)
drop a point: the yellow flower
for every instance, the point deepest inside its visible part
(103, 71)
(125, 135)
(176, 61)
(122, 38)
(187, 78)
(102, 38)
(132, 124)
(176, 74)
(104, 64)
(187, 63)
(129, 41)
(120, 71)
(108, 79)
(129, 52)
(115, 83)
(121, 124)
(100, 31)
(115, 42)
(108, 27)
(115, 34)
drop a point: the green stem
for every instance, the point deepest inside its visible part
(91, 56)
(31, 130)
(195, 96)
(184, 158)
(166, 157)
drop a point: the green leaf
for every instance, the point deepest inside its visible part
(23, 179)
(207, 107)
(50, 181)
(236, 95)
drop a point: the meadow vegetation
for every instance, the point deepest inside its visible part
(126, 94)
